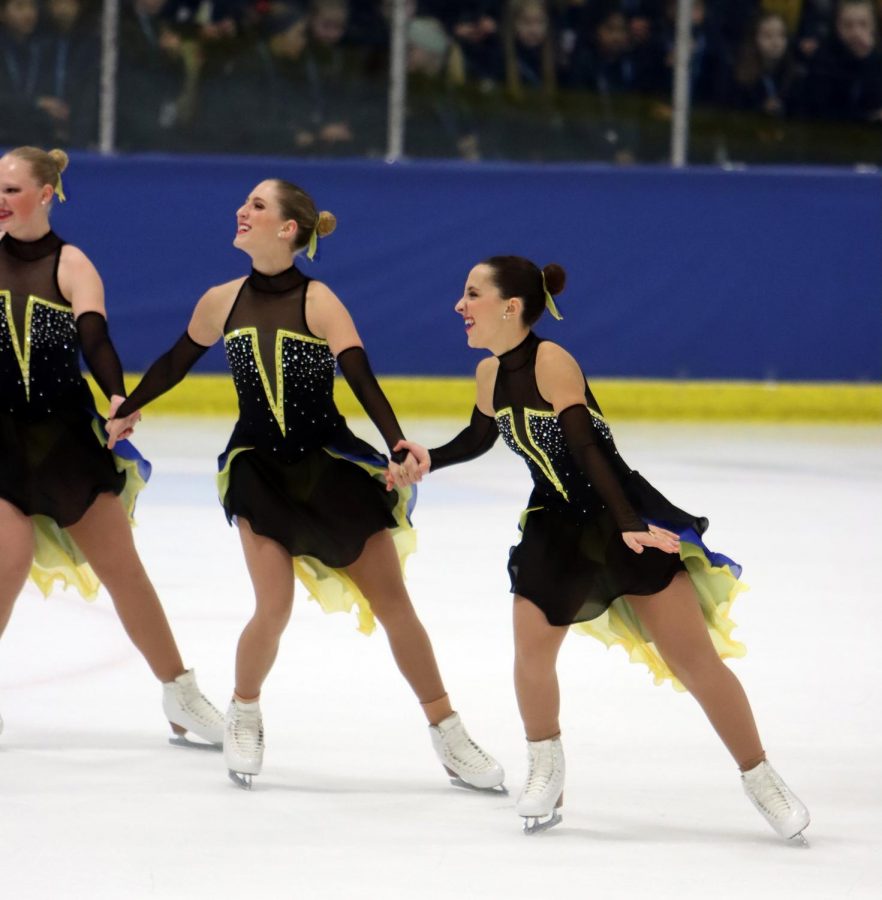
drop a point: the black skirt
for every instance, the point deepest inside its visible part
(579, 571)
(321, 507)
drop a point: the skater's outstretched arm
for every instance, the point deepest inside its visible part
(481, 432)
(205, 329)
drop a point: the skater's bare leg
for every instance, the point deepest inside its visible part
(16, 557)
(377, 573)
(104, 536)
(535, 670)
(272, 575)
(673, 619)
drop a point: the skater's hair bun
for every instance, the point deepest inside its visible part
(555, 278)
(515, 276)
(326, 223)
(296, 204)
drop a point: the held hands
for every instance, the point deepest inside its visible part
(412, 469)
(119, 429)
(663, 540)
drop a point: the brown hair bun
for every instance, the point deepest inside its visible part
(325, 224)
(555, 278)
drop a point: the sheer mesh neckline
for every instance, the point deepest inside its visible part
(31, 250)
(278, 283)
(519, 356)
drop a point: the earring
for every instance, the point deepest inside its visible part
(504, 316)
(280, 234)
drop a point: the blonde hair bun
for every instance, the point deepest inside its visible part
(60, 158)
(325, 224)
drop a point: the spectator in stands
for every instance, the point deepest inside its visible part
(474, 25)
(438, 121)
(845, 80)
(208, 20)
(814, 26)
(705, 60)
(606, 64)
(533, 127)
(73, 54)
(258, 98)
(767, 77)
(26, 114)
(333, 70)
(151, 79)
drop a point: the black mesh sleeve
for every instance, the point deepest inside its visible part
(164, 374)
(100, 354)
(357, 371)
(475, 439)
(581, 440)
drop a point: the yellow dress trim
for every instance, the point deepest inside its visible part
(24, 357)
(543, 463)
(56, 555)
(332, 588)
(716, 586)
(529, 415)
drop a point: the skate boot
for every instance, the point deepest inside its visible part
(780, 807)
(187, 709)
(243, 742)
(466, 763)
(542, 795)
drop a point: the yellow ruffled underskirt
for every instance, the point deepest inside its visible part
(57, 559)
(716, 586)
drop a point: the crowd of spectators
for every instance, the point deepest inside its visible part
(491, 79)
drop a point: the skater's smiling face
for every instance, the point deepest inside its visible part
(491, 322)
(24, 203)
(259, 221)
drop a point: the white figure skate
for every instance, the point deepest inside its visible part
(243, 742)
(466, 763)
(187, 709)
(542, 796)
(779, 806)
(1, 724)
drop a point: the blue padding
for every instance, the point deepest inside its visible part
(766, 273)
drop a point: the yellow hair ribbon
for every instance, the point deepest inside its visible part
(312, 246)
(550, 305)
(59, 190)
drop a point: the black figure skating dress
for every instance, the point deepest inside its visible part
(292, 468)
(571, 560)
(53, 458)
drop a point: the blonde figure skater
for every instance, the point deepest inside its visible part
(297, 483)
(601, 549)
(65, 499)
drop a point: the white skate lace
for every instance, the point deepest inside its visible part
(247, 732)
(466, 753)
(773, 796)
(199, 707)
(538, 780)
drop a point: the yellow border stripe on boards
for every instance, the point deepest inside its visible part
(416, 397)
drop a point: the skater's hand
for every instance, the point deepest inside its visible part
(419, 454)
(404, 474)
(660, 538)
(119, 429)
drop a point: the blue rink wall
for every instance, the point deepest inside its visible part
(697, 274)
